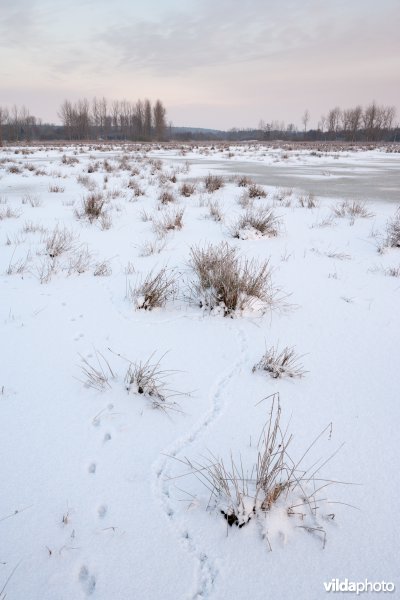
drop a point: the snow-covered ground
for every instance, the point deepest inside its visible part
(103, 489)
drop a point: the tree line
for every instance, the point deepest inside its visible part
(101, 119)
(88, 120)
(119, 120)
(17, 124)
(372, 123)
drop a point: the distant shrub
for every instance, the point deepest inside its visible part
(92, 207)
(8, 213)
(56, 189)
(137, 190)
(187, 189)
(244, 181)
(308, 201)
(171, 220)
(14, 169)
(213, 183)
(256, 191)
(166, 197)
(32, 199)
(282, 194)
(261, 221)
(214, 211)
(69, 160)
(352, 209)
(102, 269)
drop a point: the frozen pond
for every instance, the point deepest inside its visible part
(356, 177)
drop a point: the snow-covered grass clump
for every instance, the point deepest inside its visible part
(226, 282)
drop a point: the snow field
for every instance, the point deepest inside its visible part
(106, 506)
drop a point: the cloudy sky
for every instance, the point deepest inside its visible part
(214, 63)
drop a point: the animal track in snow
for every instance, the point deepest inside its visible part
(92, 468)
(207, 571)
(102, 511)
(96, 421)
(87, 581)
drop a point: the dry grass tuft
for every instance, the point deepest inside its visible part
(56, 189)
(98, 376)
(393, 231)
(214, 211)
(79, 261)
(92, 207)
(149, 380)
(308, 201)
(102, 269)
(170, 221)
(59, 241)
(256, 191)
(275, 481)
(352, 209)
(32, 199)
(187, 189)
(150, 247)
(69, 160)
(87, 182)
(213, 183)
(392, 271)
(137, 190)
(9, 213)
(46, 269)
(154, 290)
(226, 282)
(14, 170)
(244, 181)
(261, 221)
(166, 197)
(283, 194)
(280, 363)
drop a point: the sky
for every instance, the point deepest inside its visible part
(213, 63)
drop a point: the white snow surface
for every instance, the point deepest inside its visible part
(95, 498)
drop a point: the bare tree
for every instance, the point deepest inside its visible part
(139, 113)
(3, 121)
(333, 121)
(66, 115)
(104, 119)
(305, 118)
(160, 124)
(369, 117)
(82, 111)
(147, 119)
(354, 121)
(95, 116)
(115, 114)
(388, 114)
